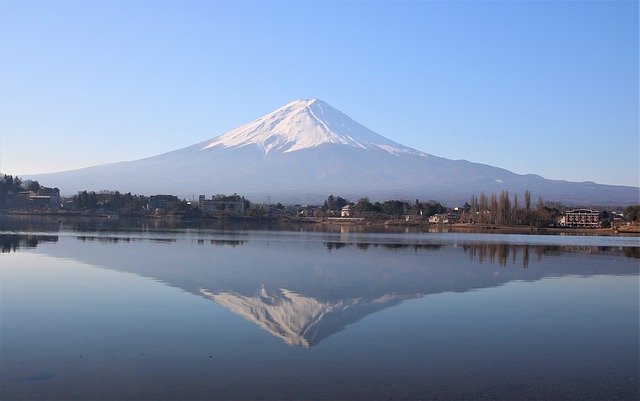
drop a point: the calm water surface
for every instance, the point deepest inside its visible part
(121, 310)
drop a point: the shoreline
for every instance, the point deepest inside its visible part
(631, 230)
(625, 230)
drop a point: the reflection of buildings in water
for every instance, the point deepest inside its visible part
(13, 242)
(297, 319)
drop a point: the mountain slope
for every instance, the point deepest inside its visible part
(305, 151)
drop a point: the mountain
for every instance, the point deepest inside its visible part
(305, 151)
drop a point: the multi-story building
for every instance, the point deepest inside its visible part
(52, 193)
(581, 218)
(46, 199)
(161, 201)
(221, 205)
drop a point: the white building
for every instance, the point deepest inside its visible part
(581, 218)
(221, 205)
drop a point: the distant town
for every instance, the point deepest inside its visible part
(492, 210)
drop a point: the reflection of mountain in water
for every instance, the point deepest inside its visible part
(298, 319)
(303, 287)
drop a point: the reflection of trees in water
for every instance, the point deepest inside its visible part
(414, 247)
(222, 242)
(226, 242)
(29, 223)
(115, 240)
(106, 240)
(163, 240)
(501, 254)
(363, 246)
(336, 245)
(13, 242)
(89, 224)
(632, 252)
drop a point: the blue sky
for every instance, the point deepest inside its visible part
(549, 88)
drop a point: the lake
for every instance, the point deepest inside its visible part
(106, 309)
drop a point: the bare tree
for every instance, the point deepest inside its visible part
(483, 208)
(541, 214)
(527, 206)
(493, 208)
(504, 208)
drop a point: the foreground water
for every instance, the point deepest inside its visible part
(96, 309)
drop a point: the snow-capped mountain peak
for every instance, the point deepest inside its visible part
(298, 319)
(303, 124)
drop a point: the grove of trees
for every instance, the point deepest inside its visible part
(633, 213)
(110, 202)
(391, 209)
(500, 210)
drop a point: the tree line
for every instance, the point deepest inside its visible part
(390, 209)
(494, 209)
(111, 202)
(500, 209)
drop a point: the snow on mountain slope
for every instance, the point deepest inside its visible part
(304, 124)
(298, 319)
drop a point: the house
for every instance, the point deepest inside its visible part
(345, 211)
(444, 218)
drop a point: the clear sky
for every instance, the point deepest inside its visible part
(542, 87)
